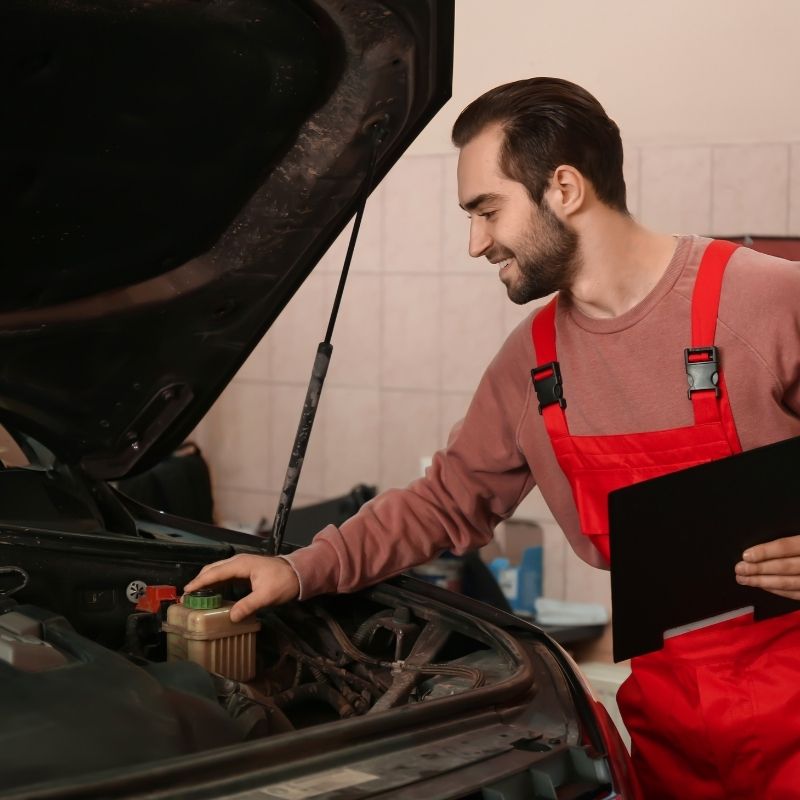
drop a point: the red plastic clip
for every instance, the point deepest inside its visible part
(154, 596)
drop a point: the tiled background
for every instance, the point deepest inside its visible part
(419, 322)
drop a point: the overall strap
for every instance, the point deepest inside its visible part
(707, 389)
(546, 376)
(707, 290)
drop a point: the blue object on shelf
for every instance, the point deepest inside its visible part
(523, 584)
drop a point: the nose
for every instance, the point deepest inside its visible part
(479, 239)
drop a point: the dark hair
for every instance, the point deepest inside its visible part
(548, 122)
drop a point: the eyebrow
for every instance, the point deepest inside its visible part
(490, 197)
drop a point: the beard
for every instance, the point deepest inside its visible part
(547, 257)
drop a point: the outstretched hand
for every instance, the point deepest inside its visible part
(774, 566)
(272, 581)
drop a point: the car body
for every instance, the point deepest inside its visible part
(175, 171)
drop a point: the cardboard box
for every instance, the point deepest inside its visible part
(511, 538)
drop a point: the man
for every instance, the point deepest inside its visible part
(540, 175)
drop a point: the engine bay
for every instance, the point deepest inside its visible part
(105, 670)
(315, 662)
(111, 681)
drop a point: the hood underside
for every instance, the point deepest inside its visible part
(171, 173)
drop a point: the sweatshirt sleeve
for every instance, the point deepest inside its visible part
(472, 484)
(764, 312)
(775, 332)
(789, 360)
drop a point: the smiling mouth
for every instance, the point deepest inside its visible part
(504, 265)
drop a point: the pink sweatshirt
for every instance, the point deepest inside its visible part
(621, 375)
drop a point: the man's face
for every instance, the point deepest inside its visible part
(536, 252)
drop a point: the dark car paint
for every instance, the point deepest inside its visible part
(151, 280)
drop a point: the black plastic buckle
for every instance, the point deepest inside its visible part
(547, 382)
(702, 375)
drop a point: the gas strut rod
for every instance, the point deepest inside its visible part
(323, 358)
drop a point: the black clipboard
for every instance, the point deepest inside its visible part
(676, 539)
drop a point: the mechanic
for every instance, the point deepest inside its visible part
(716, 712)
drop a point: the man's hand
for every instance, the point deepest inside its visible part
(774, 566)
(273, 581)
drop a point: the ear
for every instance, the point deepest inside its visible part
(567, 193)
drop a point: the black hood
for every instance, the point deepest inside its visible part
(170, 173)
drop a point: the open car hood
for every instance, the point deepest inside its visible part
(171, 173)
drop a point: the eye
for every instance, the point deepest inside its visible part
(487, 214)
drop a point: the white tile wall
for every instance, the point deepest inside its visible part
(351, 439)
(751, 189)
(292, 341)
(472, 327)
(412, 216)
(676, 189)
(410, 431)
(411, 344)
(794, 189)
(242, 507)
(238, 441)
(356, 359)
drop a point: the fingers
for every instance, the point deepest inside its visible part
(235, 567)
(245, 607)
(238, 566)
(779, 548)
(273, 580)
(773, 566)
(784, 583)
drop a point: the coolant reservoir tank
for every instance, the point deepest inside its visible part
(199, 629)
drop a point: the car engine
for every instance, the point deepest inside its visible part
(80, 706)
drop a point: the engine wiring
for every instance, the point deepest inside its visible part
(476, 676)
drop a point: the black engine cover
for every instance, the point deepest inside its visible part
(96, 710)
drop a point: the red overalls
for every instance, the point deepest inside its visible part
(716, 712)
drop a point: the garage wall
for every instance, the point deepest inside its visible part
(676, 72)
(420, 319)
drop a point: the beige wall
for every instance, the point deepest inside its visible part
(669, 72)
(420, 319)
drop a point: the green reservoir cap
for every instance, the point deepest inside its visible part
(202, 598)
